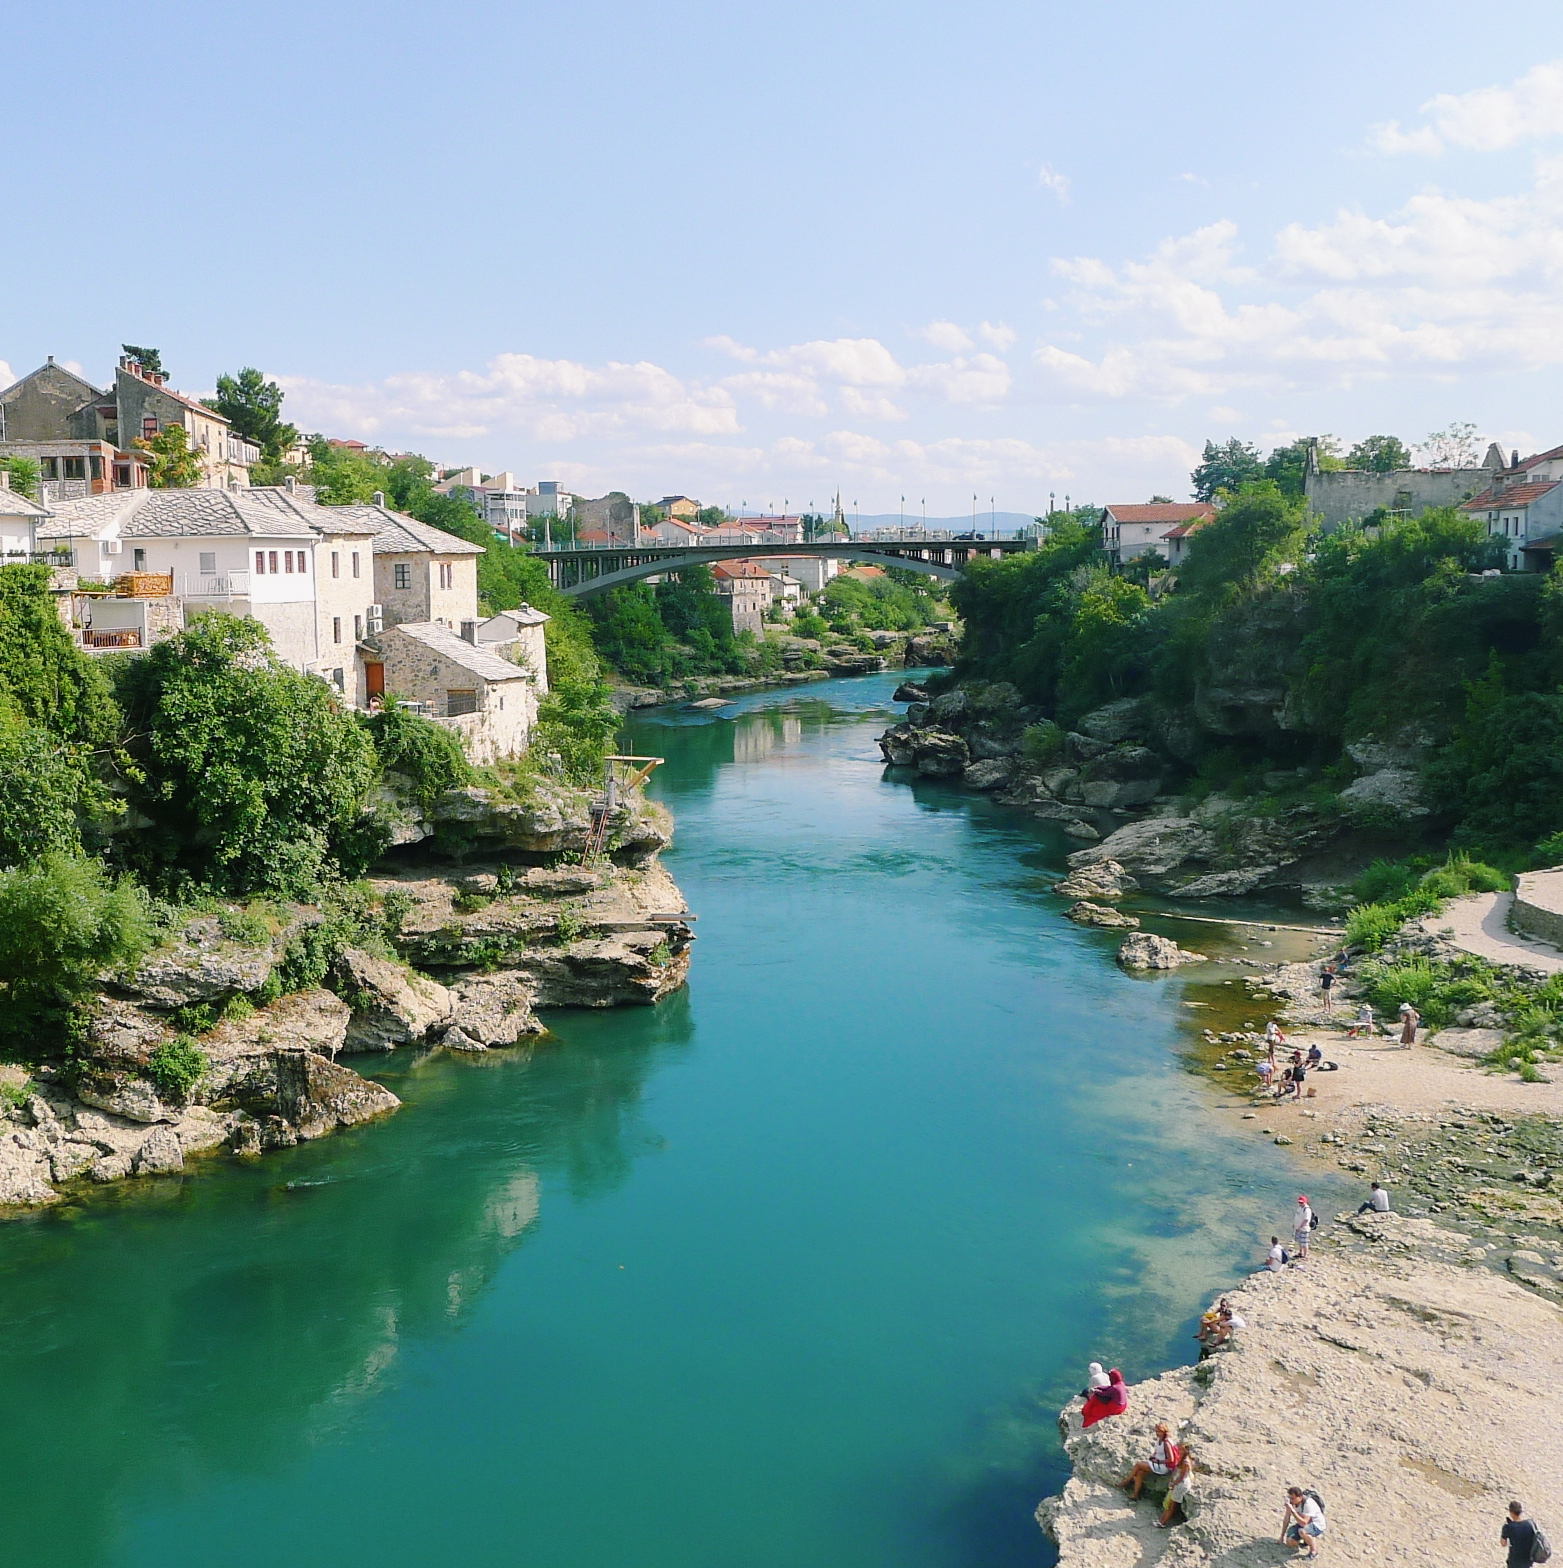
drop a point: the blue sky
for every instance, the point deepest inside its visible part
(754, 253)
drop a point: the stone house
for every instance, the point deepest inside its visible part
(518, 635)
(748, 589)
(487, 700)
(20, 518)
(420, 573)
(1527, 516)
(84, 437)
(680, 506)
(1130, 531)
(673, 530)
(813, 571)
(1343, 495)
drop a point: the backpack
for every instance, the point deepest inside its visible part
(1313, 1224)
(1308, 1491)
(1540, 1550)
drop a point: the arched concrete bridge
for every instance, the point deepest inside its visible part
(581, 571)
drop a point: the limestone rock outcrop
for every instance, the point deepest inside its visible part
(1085, 913)
(1145, 950)
(1105, 878)
(391, 1004)
(1403, 1388)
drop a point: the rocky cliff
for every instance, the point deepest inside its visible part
(228, 1035)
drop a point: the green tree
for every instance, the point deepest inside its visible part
(254, 779)
(25, 475)
(1228, 467)
(63, 922)
(253, 406)
(423, 752)
(46, 790)
(341, 476)
(1258, 530)
(44, 678)
(172, 465)
(149, 359)
(1379, 454)
(1288, 465)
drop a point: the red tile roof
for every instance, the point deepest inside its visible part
(1510, 496)
(738, 569)
(1187, 528)
(1165, 512)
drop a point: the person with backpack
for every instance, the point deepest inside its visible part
(1162, 1462)
(1525, 1541)
(1303, 1227)
(1303, 1524)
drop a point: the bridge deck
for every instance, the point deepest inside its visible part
(580, 571)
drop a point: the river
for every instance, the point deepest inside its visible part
(790, 1271)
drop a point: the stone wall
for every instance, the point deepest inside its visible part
(1335, 497)
(1538, 905)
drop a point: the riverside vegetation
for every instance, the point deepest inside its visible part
(216, 880)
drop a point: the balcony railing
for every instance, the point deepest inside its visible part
(114, 637)
(144, 585)
(215, 585)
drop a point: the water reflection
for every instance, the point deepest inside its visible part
(163, 1332)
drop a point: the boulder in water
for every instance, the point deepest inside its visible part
(1144, 950)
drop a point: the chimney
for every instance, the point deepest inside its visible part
(379, 498)
(469, 631)
(290, 484)
(5, 478)
(51, 359)
(1516, 457)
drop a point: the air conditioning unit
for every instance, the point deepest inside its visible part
(112, 546)
(374, 620)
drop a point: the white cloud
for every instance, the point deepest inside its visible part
(870, 405)
(1049, 179)
(944, 334)
(1487, 119)
(999, 335)
(7, 375)
(547, 399)
(1444, 284)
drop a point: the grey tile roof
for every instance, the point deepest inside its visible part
(523, 615)
(14, 504)
(459, 651)
(396, 533)
(268, 513)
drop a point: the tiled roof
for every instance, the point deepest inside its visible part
(396, 533)
(1543, 457)
(459, 651)
(1164, 512)
(522, 615)
(14, 504)
(268, 513)
(1184, 530)
(738, 569)
(1510, 496)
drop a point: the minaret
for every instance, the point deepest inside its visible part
(838, 521)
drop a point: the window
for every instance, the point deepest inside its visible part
(337, 680)
(358, 627)
(336, 628)
(51, 468)
(303, 562)
(260, 561)
(138, 561)
(355, 563)
(271, 561)
(96, 467)
(287, 560)
(336, 563)
(148, 427)
(447, 575)
(75, 468)
(459, 702)
(209, 563)
(402, 575)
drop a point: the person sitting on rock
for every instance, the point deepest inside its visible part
(1112, 1400)
(1378, 1201)
(1162, 1462)
(1227, 1324)
(1095, 1378)
(1179, 1486)
(1302, 1525)
(1278, 1257)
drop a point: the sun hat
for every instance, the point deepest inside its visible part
(1405, 1007)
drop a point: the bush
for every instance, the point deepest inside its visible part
(424, 752)
(248, 926)
(176, 1067)
(252, 775)
(1370, 926)
(1042, 742)
(63, 921)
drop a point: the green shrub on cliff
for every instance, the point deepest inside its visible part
(176, 1067)
(63, 922)
(420, 750)
(254, 779)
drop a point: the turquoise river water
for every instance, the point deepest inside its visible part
(791, 1271)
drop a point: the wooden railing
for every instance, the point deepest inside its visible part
(119, 637)
(144, 585)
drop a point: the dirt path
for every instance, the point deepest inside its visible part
(1479, 923)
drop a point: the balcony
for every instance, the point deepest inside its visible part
(111, 637)
(144, 585)
(215, 585)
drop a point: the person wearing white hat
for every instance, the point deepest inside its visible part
(1409, 1019)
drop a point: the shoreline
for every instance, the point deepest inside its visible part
(1400, 1370)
